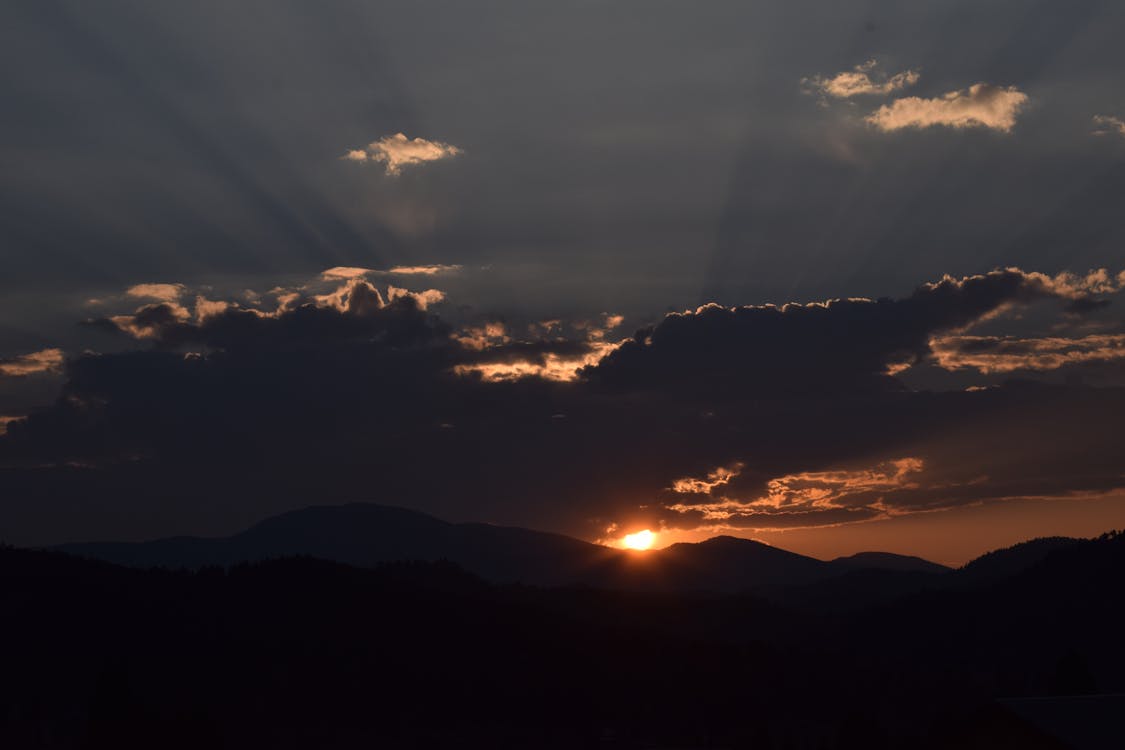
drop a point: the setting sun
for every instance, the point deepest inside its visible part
(639, 540)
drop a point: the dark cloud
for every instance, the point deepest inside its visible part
(843, 345)
(737, 419)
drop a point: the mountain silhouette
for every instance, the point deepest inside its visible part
(889, 561)
(1004, 563)
(367, 535)
(300, 652)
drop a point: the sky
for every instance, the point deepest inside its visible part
(836, 276)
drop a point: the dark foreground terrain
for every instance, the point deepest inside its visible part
(303, 653)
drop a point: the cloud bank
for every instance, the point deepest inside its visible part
(738, 418)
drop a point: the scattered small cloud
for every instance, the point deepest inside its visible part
(717, 478)
(1108, 125)
(344, 273)
(430, 270)
(862, 80)
(160, 292)
(397, 151)
(982, 105)
(46, 360)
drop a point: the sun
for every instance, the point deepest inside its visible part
(639, 540)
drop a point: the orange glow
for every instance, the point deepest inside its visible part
(639, 540)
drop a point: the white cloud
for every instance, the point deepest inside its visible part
(862, 80)
(397, 151)
(982, 105)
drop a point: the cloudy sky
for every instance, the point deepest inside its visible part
(833, 275)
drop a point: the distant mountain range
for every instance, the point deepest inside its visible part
(305, 652)
(367, 535)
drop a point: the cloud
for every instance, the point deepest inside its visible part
(345, 272)
(560, 361)
(735, 418)
(1108, 125)
(5, 421)
(344, 289)
(423, 299)
(862, 80)
(808, 498)
(481, 337)
(840, 345)
(161, 292)
(717, 478)
(397, 151)
(46, 360)
(1004, 354)
(423, 270)
(352, 272)
(982, 105)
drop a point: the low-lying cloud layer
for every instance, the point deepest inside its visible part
(755, 417)
(1003, 354)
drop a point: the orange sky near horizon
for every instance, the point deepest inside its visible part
(952, 537)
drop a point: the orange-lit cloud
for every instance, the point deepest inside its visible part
(397, 151)
(484, 336)
(717, 478)
(804, 498)
(1001, 354)
(423, 299)
(205, 308)
(430, 270)
(46, 360)
(547, 366)
(5, 421)
(343, 273)
(1108, 125)
(354, 272)
(862, 80)
(356, 296)
(982, 105)
(161, 292)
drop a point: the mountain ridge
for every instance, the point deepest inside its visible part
(367, 535)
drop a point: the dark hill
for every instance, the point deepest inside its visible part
(1004, 563)
(888, 561)
(367, 535)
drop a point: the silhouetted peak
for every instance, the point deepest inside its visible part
(888, 561)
